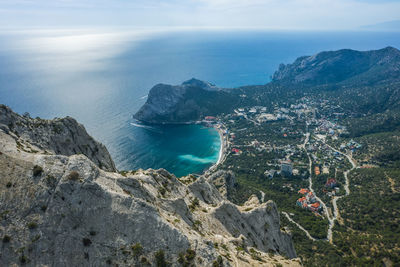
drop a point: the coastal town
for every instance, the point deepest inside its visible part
(293, 149)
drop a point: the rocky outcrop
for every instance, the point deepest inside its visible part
(58, 136)
(223, 180)
(63, 210)
(188, 102)
(342, 65)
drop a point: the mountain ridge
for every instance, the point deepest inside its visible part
(346, 71)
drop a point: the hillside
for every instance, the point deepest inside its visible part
(342, 66)
(334, 118)
(359, 82)
(59, 208)
(187, 102)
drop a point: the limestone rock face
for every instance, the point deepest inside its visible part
(224, 181)
(59, 136)
(188, 102)
(63, 210)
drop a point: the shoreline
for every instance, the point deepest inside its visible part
(223, 141)
(222, 151)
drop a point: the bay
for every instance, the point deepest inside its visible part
(102, 77)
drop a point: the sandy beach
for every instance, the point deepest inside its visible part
(222, 150)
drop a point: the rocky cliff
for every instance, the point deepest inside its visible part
(187, 102)
(59, 136)
(61, 208)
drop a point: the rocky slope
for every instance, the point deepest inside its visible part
(59, 136)
(187, 102)
(59, 208)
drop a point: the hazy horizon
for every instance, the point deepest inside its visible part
(323, 15)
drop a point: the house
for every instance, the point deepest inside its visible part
(315, 206)
(303, 191)
(286, 167)
(301, 201)
(317, 171)
(235, 150)
(270, 173)
(331, 182)
(310, 197)
(210, 118)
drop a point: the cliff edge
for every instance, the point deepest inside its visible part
(62, 204)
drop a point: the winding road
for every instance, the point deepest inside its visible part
(334, 217)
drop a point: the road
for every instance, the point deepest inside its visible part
(335, 213)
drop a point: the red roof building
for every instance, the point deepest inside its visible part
(331, 183)
(303, 191)
(210, 118)
(235, 150)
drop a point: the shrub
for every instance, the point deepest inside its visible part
(6, 239)
(37, 170)
(218, 262)
(9, 184)
(92, 233)
(144, 261)
(160, 259)
(137, 249)
(86, 241)
(73, 176)
(190, 254)
(23, 259)
(32, 225)
(181, 258)
(162, 191)
(194, 203)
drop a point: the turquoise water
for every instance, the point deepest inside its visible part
(102, 78)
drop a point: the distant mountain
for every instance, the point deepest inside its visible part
(393, 25)
(361, 82)
(342, 65)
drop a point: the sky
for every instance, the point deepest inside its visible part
(269, 14)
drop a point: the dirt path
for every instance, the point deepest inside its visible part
(392, 183)
(298, 225)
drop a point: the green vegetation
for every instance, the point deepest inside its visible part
(186, 259)
(218, 262)
(367, 231)
(137, 249)
(6, 239)
(37, 170)
(194, 203)
(162, 191)
(160, 259)
(32, 225)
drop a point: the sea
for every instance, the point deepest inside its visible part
(102, 77)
